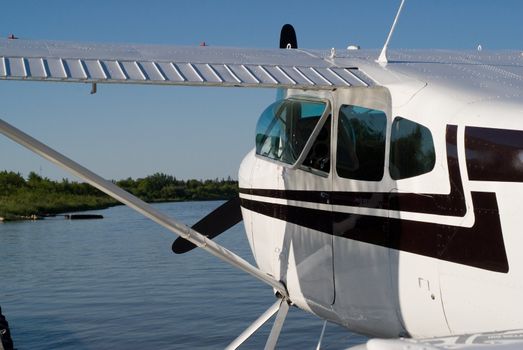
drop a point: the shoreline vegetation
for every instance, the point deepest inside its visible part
(38, 197)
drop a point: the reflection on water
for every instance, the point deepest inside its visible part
(114, 283)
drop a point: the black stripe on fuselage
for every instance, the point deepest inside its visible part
(479, 246)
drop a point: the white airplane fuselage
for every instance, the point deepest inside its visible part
(427, 254)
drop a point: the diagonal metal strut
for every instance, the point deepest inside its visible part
(137, 204)
(278, 325)
(260, 321)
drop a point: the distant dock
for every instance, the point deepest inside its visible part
(83, 216)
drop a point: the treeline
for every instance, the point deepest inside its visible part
(162, 188)
(38, 195)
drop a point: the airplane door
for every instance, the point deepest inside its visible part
(289, 197)
(305, 256)
(365, 300)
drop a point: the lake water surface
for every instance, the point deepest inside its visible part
(115, 284)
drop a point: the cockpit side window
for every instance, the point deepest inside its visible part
(411, 150)
(284, 128)
(361, 143)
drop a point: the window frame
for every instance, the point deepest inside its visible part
(310, 141)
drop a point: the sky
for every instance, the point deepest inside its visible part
(203, 133)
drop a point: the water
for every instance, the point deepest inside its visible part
(115, 284)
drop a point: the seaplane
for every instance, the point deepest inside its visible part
(382, 192)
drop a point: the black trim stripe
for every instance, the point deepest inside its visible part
(319, 220)
(480, 246)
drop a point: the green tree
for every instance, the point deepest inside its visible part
(10, 182)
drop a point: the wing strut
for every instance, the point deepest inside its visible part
(260, 321)
(282, 308)
(278, 324)
(139, 205)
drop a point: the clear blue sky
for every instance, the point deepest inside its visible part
(204, 132)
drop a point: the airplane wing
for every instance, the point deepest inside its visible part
(503, 340)
(172, 65)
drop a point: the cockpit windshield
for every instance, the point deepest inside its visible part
(284, 128)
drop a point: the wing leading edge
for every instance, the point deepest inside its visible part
(172, 65)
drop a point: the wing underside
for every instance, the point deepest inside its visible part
(171, 65)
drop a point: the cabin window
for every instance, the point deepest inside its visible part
(411, 150)
(361, 143)
(319, 155)
(284, 128)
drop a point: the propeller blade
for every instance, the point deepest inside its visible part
(218, 221)
(288, 37)
(287, 40)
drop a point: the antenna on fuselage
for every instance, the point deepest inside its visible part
(383, 54)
